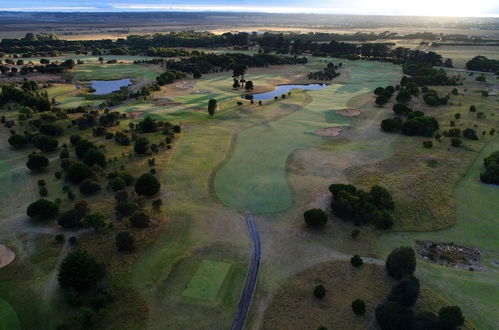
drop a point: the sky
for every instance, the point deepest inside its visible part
(360, 7)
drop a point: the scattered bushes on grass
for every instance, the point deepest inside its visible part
(456, 142)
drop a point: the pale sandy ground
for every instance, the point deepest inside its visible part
(6, 255)
(330, 131)
(348, 112)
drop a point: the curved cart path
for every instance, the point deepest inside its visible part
(251, 277)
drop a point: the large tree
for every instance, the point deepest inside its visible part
(42, 209)
(37, 162)
(212, 107)
(401, 262)
(147, 185)
(79, 271)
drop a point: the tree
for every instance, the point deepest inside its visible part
(401, 262)
(212, 107)
(148, 125)
(378, 91)
(456, 142)
(381, 100)
(472, 108)
(406, 291)
(125, 208)
(381, 198)
(315, 217)
(392, 316)
(401, 109)
(359, 306)
(45, 143)
(236, 84)
(37, 162)
(78, 172)
(320, 291)
(89, 186)
(140, 220)
(450, 317)
(42, 209)
(356, 261)
(141, 145)
(147, 185)
(355, 233)
(125, 241)
(426, 321)
(93, 157)
(391, 125)
(491, 164)
(249, 85)
(470, 134)
(95, 220)
(79, 271)
(70, 219)
(403, 96)
(18, 141)
(82, 147)
(428, 144)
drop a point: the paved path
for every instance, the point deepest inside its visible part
(251, 277)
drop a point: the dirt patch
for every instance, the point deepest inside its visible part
(330, 131)
(164, 101)
(134, 114)
(348, 112)
(6, 256)
(186, 84)
(450, 255)
(202, 91)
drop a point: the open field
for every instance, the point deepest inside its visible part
(190, 266)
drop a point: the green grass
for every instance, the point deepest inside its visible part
(477, 226)
(8, 317)
(116, 71)
(206, 282)
(254, 177)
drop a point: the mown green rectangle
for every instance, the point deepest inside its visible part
(207, 280)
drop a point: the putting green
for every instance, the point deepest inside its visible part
(254, 177)
(477, 226)
(207, 280)
(8, 317)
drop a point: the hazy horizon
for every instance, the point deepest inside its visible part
(449, 8)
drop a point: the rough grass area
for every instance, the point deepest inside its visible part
(207, 280)
(476, 226)
(296, 307)
(8, 317)
(117, 71)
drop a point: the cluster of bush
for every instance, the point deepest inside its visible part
(396, 312)
(327, 73)
(491, 164)
(362, 207)
(424, 74)
(482, 63)
(383, 95)
(417, 123)
(170, 76)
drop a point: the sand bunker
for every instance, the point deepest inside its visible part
(348, 112)
(134, 114)
(6, 256)
(202, 91)
(185, 85)
(330, 131)
(164, 101)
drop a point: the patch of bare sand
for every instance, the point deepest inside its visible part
(330, 131)
(185, 84)
(6, 255)
(162, 101)
(348, 112)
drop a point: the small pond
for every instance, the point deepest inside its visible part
(102, 87)
(282, 89)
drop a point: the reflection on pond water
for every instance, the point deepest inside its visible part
(282, 89)
(101, 87)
